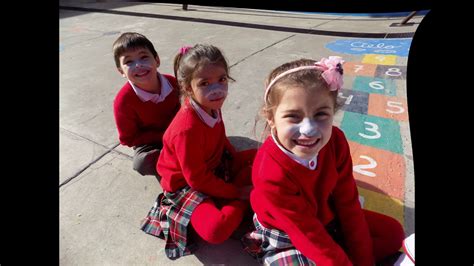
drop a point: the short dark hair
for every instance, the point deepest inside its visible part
(129, 41)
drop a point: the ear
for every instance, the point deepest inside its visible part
(157, 58)
(121, 72)
(271, 123)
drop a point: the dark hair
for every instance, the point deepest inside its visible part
(185, 65)
(306, 78)
(130, 41)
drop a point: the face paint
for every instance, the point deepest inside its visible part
(306, 127)
(215, 91)
(141, 64)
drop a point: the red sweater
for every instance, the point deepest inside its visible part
(191, 151)
(140, 122)
(294, 199)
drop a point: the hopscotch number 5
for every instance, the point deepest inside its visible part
(360, 167)
(396, 105)
(374, 128)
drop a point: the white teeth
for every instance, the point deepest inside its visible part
(306, 142)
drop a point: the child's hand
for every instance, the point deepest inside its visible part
(245, 192)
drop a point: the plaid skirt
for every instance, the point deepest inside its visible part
(272, 247)
(168, 219)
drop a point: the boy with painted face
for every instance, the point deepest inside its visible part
(206, 182)
(305, 197)
(146, 104)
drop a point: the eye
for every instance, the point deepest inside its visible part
(128, 62)
(144, 57)
(293, 118)
(223, 79)
(321, 115)
(203, 83)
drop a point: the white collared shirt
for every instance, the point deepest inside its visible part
(205, 117)
(145, 96)
(310, 164)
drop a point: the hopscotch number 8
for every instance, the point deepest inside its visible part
(393, 72)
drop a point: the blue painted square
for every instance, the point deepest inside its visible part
(375, 85)
(377, 132)
(354, 101)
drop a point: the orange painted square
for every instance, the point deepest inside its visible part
(388, 107)
(389, 171)
(359, 69)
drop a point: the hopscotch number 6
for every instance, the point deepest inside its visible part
(372, 128)
(360, 167)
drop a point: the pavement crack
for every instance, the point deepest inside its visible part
(243, 59)
(87, 166)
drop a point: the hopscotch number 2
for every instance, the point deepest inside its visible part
(360, 167)
(374, 128)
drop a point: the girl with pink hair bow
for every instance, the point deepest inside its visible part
(305, 198)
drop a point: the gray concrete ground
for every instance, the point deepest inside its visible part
(103, 203)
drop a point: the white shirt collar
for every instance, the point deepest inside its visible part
(145, 96)
(310, 164)
(205, 117)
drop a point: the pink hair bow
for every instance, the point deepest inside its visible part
(184, 49)
(332, 71)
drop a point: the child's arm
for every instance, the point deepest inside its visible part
(346, 199)
(189, 151)
(293, 215)
(129, 134)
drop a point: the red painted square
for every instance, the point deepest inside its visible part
(388, 107)
(378, 170)
(359, 69)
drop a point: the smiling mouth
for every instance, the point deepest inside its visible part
(217, 99)
(306, 143)
(142, 74)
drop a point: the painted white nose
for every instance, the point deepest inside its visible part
(308, 127)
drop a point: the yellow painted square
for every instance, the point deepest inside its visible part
(379, 59)
(378, 202)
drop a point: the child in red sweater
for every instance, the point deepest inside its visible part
(305, 197)
(146, 104)
(205, 181)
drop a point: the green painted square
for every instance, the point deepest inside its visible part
(375, 85)
(373, 131)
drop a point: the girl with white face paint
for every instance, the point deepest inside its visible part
(206, 182)
(305, 197)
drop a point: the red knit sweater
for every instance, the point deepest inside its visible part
(191, 151)
(140, 122)
(292, 198)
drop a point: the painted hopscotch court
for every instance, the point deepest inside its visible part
(375, 120)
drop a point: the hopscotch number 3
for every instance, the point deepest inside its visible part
(360, 168)
(372, 127)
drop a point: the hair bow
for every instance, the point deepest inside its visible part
(332, 71)
(184, 49)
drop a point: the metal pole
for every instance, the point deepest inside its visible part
(405, 20)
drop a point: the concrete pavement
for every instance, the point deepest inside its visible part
(102, 200)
